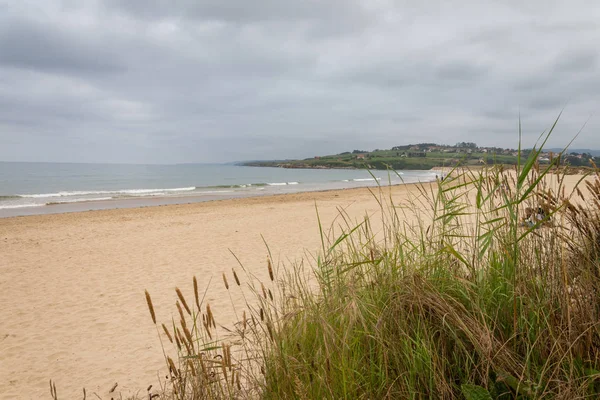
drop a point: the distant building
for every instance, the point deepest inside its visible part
(360, 156)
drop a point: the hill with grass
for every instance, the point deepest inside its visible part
(424, 156)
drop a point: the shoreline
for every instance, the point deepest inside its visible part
(160, 201)
(73, 284)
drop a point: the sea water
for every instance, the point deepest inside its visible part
(41, 188)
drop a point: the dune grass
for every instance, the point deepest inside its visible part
(450, 295)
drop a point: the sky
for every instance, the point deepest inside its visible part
(182, 81)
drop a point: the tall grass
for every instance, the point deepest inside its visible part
(452, 294)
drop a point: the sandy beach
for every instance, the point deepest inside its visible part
(72, 285)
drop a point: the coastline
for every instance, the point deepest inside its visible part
(60, 207)
(72, 284)
(136, 204)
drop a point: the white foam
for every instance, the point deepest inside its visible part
(12, 206)
(292, 183)
(277, 184)
(153, 194)
(92, 192)
(78, 200)
(185, 189)
(36, 196)
(365, 179)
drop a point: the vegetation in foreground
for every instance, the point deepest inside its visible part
(493, 293)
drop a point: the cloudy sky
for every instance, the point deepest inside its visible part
(167, 81)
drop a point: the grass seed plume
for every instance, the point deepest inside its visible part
(479, 298)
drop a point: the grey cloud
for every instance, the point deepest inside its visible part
(501, 114)
(241, 11)
(533, 83)
(189, 81)
(585, 60)
(24, 44)
(460, 71)
(547, 102)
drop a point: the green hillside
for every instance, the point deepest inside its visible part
(424, 156)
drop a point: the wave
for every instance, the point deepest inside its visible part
(215, 191)
(282, 183)
(153, 194)
(142, 192)
(365, 179)
(238, 186)
(112, 192)
(185, 189)
(54, 203)
(12, 206)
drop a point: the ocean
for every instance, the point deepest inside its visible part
(46, 188)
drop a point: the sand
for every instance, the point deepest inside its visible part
(72, 285)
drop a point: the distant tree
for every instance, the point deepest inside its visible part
(405, 147)
(467, 145)
(575, 161)
(359, 151)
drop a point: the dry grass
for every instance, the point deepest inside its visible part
(469, 301)
(486, 287)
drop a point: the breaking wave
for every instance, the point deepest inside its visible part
(112, 192)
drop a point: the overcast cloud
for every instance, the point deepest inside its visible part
(153, 81)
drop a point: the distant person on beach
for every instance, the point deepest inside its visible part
(528, 219)
(534, 217)
(541, 215)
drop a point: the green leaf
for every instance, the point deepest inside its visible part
(474, 392)
(479, 192)
(455, 253)
(533, 156)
